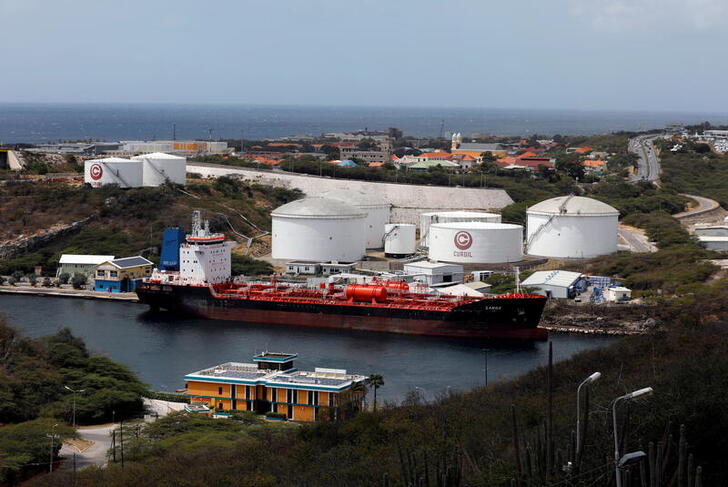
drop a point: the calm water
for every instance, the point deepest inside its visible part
(162, 350)
(52, 122)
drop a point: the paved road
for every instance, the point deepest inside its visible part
(635, 239)
(100, 436)
(648, 165)
(704, 205)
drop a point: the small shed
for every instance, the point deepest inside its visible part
(618, 294)
(435, 272)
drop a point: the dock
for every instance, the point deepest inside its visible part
(69, 293)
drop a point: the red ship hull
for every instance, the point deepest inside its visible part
(513, 316)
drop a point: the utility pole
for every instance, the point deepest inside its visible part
(121, 441)
(485, 369)
(52, 436)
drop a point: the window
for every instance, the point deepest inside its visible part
(295, 397)
(99, 273)
(289, 396)
(331, 399)
(219, 391)
(247, 392)
(311, 394)
(274, 395)
(113, 274)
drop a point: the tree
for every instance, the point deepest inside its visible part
(78, 281)
(487, 156)
(375, 381)
(2, 280)
(17, 276)
(32, 279)
(64, 278)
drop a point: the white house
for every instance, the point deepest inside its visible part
(80, 264)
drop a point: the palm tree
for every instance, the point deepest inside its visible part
(376, 381)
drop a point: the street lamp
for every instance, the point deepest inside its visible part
(74, 403)
(595, 376)
(620, 462)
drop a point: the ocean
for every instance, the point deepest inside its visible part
(33, 123)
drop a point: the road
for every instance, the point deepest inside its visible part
(635, 239)
(704, 205)
(100, 436)
(648, 165)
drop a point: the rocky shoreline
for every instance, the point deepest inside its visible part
(599, 325)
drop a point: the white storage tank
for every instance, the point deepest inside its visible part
(159, 167)
(475, 242)
(376, 209)
(318, 229)
(571, 227)
(400, 239)
(113, 170)
(427, 219)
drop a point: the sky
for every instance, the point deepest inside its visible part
(532, 54)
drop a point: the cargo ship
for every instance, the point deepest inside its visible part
(203, 287)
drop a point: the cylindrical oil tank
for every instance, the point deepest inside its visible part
(400, 239)
(113, 170)
(427, 219)
(476, 242)
(376, 209)
(318, 229)
(159, 167)
(571, 227)
(397, 286)
(366, 292)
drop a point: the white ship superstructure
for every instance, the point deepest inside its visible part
(204, 259)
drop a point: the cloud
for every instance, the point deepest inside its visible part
(651, 15)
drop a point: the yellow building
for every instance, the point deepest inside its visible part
(272, 385)
(121, 275)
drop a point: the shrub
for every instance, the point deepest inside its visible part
(78, 281)
(64, 278)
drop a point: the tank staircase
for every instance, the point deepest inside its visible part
(117, 175)
(562, 211)
(156, 169)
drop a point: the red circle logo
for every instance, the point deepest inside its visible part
(463, 240)
(96, 171)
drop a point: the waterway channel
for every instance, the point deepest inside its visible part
(162, 348)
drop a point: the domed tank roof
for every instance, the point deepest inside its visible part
(574, 206)
(477, 226)
(318, 207)
(356, 198)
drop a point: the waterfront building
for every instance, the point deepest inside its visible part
(554, 284)
(271, 384)
(121, 275)
(80, 264)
